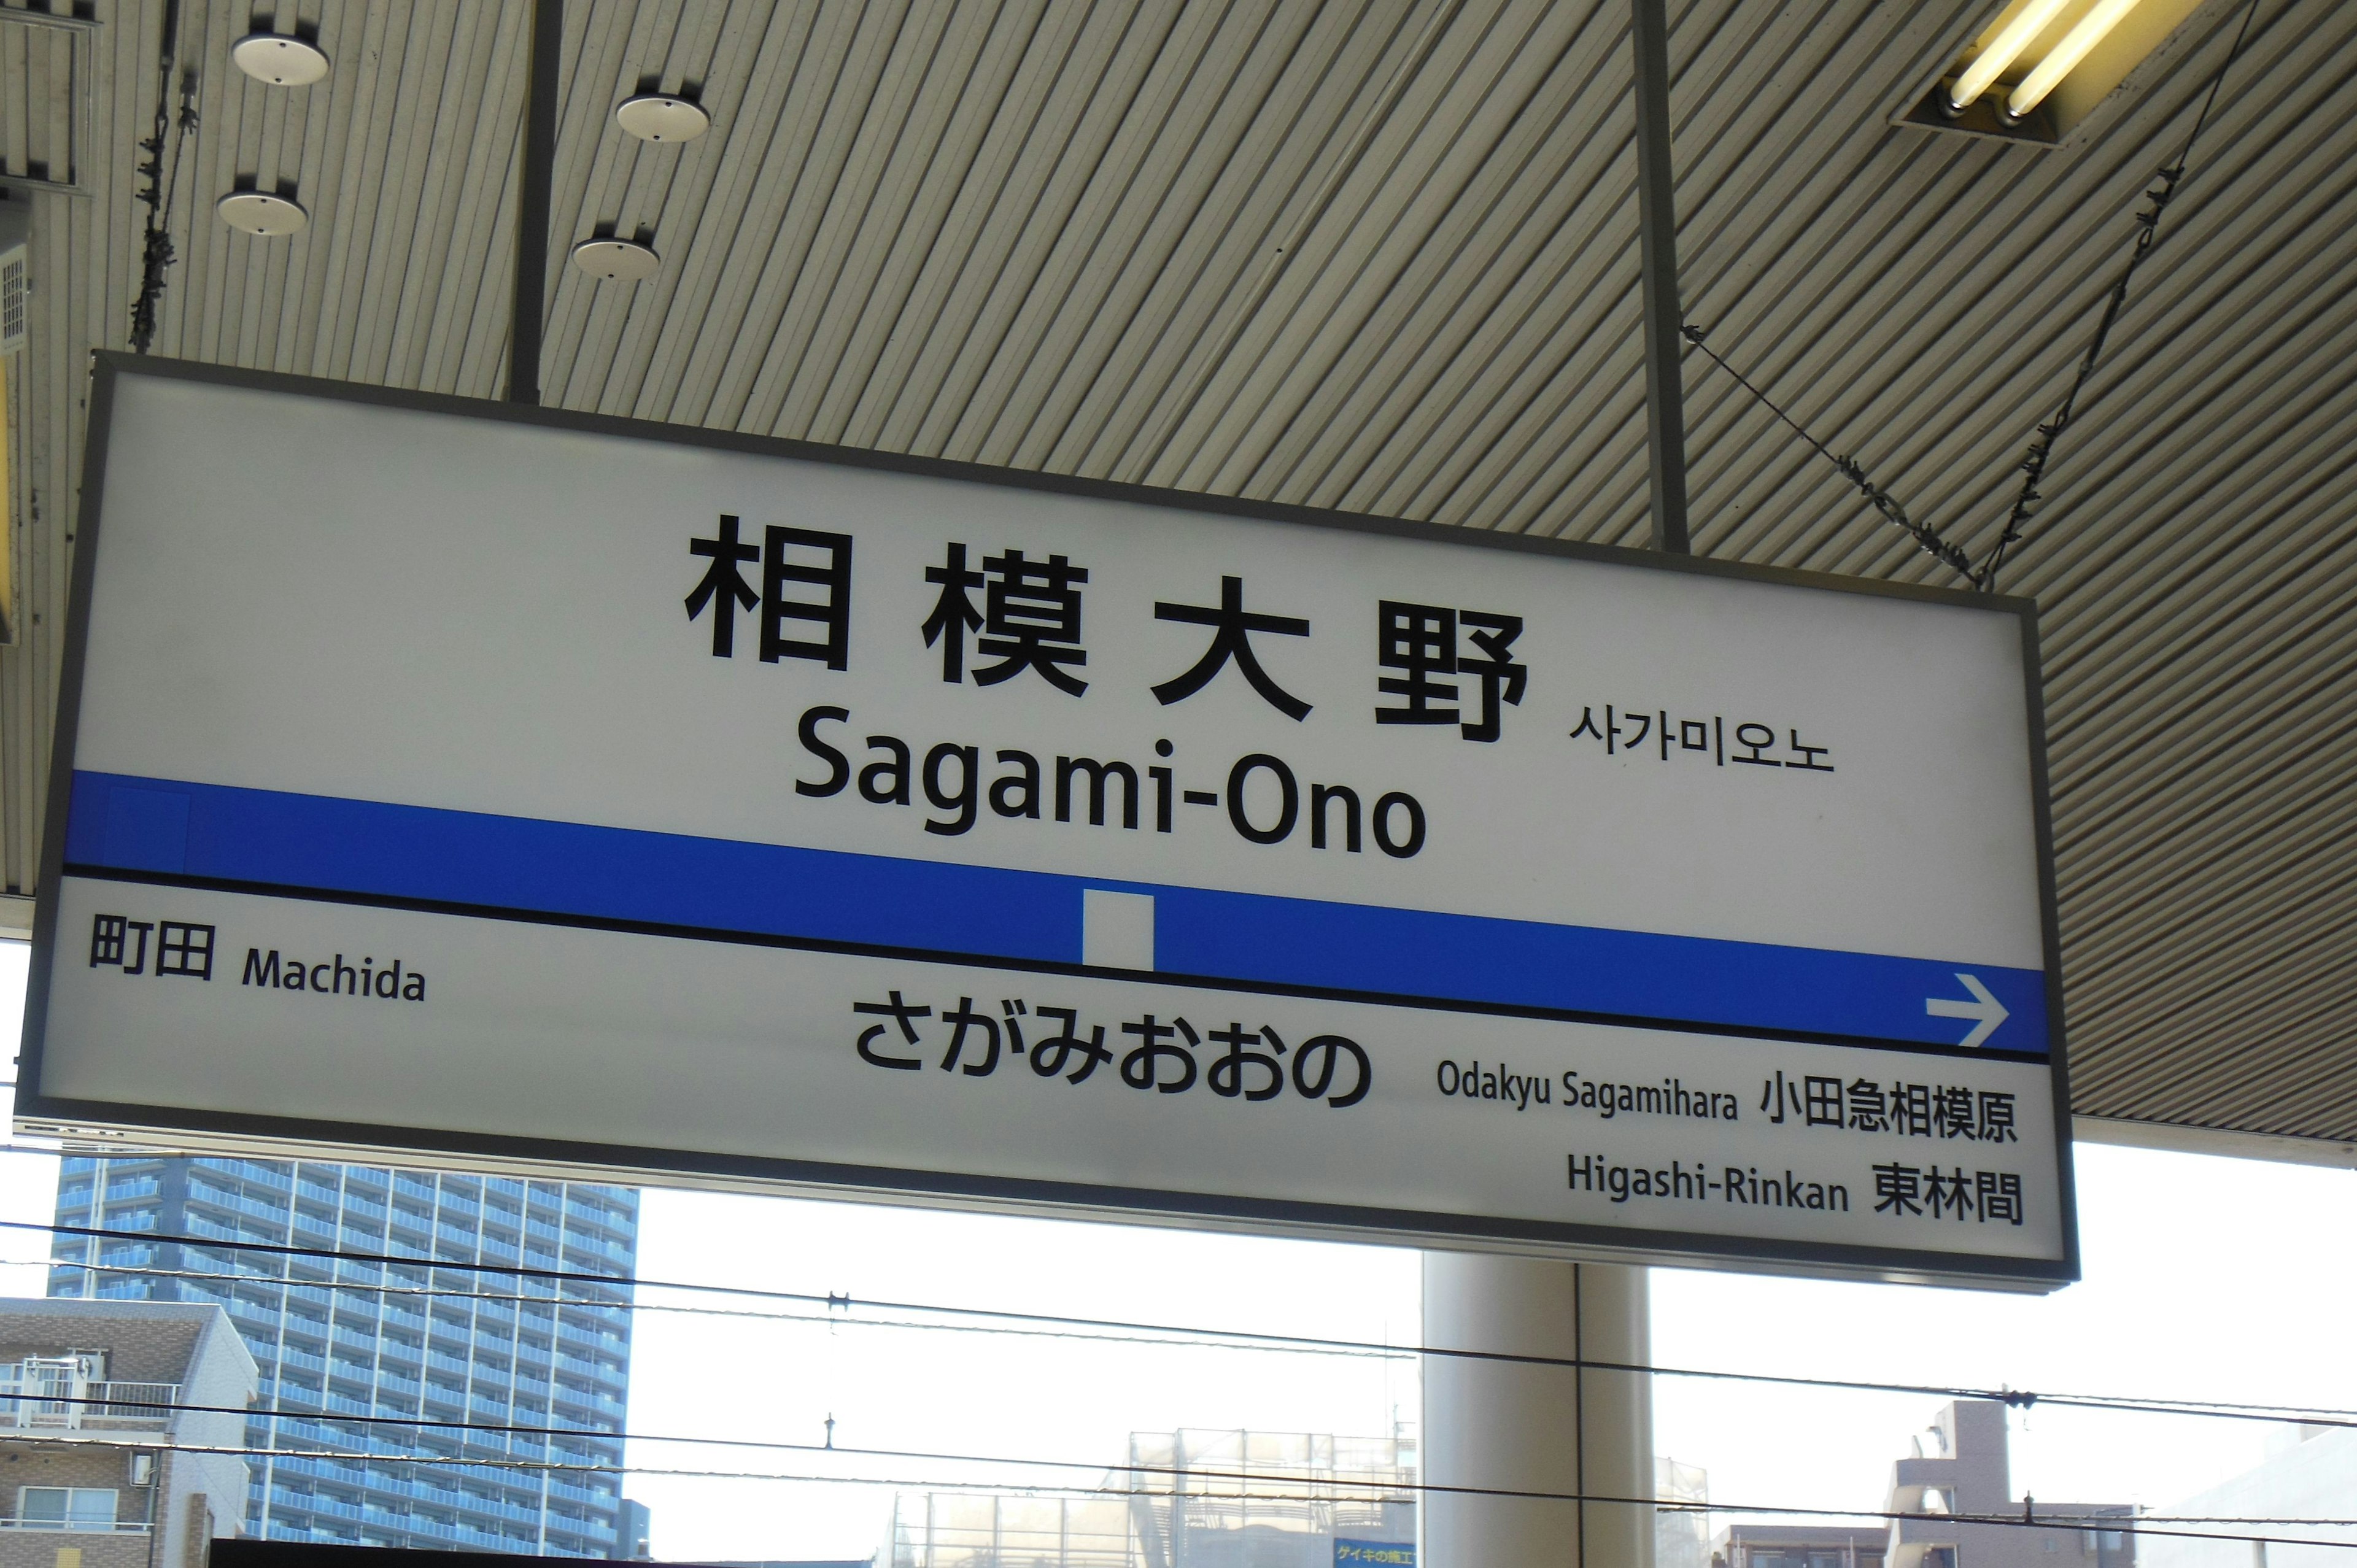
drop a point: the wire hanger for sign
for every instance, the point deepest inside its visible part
(164, 145)
(2041, 452)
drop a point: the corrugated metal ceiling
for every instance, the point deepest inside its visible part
(1382, 256)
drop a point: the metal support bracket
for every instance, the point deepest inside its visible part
(529, 314)
(1657, 222)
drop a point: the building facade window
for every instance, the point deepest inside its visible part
(65, 1508)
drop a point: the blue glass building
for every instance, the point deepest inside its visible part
(395, 1342)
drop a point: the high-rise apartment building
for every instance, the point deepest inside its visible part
(351, 1353)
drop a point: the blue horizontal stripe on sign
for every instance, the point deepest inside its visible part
(372, 849)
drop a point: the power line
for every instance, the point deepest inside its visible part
(2021, 1398)
(844, 1303)
(2136, 1524)
(1175, 1340)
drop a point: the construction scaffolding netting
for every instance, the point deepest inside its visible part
(1186, 1500)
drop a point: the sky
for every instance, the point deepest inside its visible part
(2205, 1278)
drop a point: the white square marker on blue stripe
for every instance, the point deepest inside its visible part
(1116, 928)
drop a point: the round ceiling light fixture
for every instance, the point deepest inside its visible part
(278, 59)
(660, 117)
(616, 260)
(262, 213)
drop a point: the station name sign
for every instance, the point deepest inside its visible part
(479, 780)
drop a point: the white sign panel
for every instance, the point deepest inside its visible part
(464, 779)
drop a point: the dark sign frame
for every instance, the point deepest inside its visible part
(37, 1110)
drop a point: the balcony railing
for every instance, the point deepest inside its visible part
(70, 1405)
(80, 1527)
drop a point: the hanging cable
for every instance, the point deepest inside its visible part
(163, 175)
(2041, 447)
(2156, 201)
(1927, 540)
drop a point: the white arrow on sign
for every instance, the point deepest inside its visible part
(1984, 1008)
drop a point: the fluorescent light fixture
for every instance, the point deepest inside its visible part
(2002, 50)
(2065, 56)
(2037, 71)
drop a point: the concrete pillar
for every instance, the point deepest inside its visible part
(1516, 1426)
